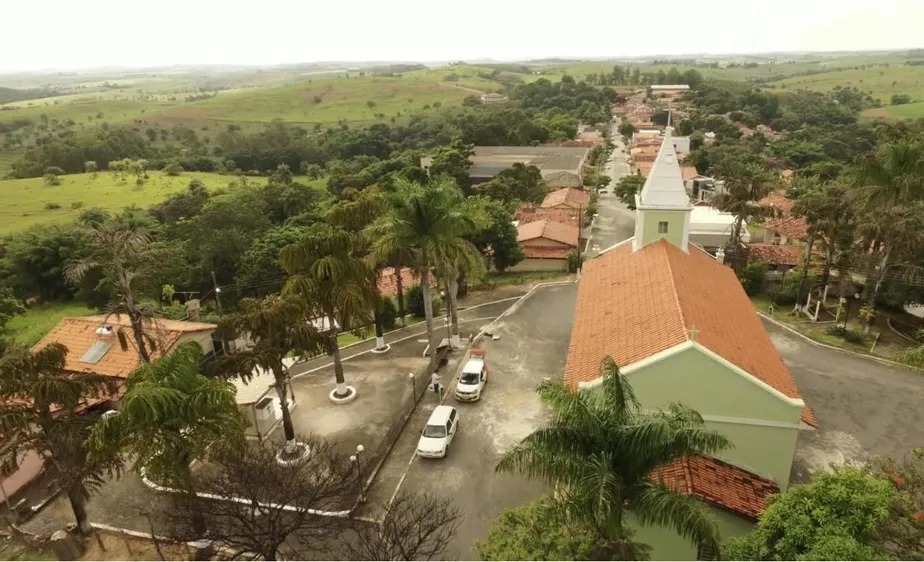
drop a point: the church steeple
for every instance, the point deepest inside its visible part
(662, 208)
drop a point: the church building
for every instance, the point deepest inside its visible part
(679, 325)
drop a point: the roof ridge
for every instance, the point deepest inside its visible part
(670, 274)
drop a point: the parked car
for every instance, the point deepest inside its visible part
(473, 378)
(438, 433)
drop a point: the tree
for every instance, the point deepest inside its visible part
(333, 282)
(517, 183)
(747, 181)
(126, 256)
(170, 416)
(537, 531)
(499, 240)
(627, 187)
(627, 129)
(431, 222)
(277, 327)
(42, 409)
(413, 527)
(888, 186)
(173, 169)
(90, 167)
(902, 535)
(10, 307)
(260, 272)
(51, 179)
(277, 514)
(600, 444)
(838, 516)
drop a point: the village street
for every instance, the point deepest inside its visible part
(614, 222)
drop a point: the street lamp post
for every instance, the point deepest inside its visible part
(411, 377)
(359, 470)
(856, 296)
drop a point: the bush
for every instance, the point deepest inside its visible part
(752, 277)
(51, 179)
(788, 292)
(389, 314)
(55, 171)
(173, 169)
(848, 335)
(415, 303)
(52, 206)
(76, 205)
(575, 259)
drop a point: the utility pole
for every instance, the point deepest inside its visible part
(217, 293)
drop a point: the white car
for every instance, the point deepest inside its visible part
(473, 378)
(438, 433)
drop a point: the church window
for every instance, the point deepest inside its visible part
(662, 227)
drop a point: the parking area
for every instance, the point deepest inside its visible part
(532, 345)
(864, 407)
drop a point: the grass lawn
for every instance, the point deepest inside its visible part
(29, 328)
(495, 278)
(349, 339)
(905, 111)
(24, 201)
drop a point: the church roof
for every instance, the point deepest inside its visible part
(664, 185)
(632, 305)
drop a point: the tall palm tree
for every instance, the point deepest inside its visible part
(747, 181)
(126, 255)
(333, 282)
(600, 450)
(889, 184)
(39, 411)
(171, 414)
(431, 222)
(277, 327)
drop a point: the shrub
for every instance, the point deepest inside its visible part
(55, 170)
(389, 314)
(173, 169)
(51, 179)
(51, 206)
(752, 277)
(139, 181)
(76, 205)
(846, 334)
(415, 303)
(575, 259)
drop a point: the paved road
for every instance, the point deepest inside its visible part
(863, 407)
(533, 345)
(614, 222)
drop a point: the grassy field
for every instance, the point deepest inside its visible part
(906, 111)
(24, 202)
(29, 328)
(878, 80)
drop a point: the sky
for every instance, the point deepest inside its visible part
(71, 34)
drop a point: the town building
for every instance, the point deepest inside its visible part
(494, 98)
(567, 198)
(678, 324)
(560, 166)
(546, 245)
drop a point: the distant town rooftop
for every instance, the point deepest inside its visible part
(669, 87)
(488, 161)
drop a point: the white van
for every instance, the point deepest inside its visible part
(438, 433)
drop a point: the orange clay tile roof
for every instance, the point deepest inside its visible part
(718, 483)
(688, 172)
(789, 226)
(387, 282)
(631, 305)
(568, 196)
(776, 254)
(528, 213)
(556, 231)
(779, 202)
(79, 334)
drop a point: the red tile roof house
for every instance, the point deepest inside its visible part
(566, 198)
(546, 245)
(92, 349)
(783, 245)
(681, 328)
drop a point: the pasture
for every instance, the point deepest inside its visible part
(880, 81)
(28, 202)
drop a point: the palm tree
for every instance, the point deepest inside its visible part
(126, 255)
(172, 414)
(332, 282)
(888, 186)
(431, 222)
(277, 327)
(39, 411)
(747, 181)
(600, 450)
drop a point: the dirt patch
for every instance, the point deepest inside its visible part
(109, 546)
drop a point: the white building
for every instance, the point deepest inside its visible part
(711, 229)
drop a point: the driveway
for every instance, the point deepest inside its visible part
(863, 407)
(532, 345)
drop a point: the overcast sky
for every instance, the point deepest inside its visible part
(40, 34)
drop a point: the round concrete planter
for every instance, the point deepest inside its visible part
(305, 451)
(383, 350)
(340, 400)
